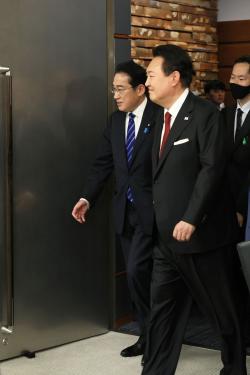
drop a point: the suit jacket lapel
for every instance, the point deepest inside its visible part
(120, 137)
(182, 120)
(230, 119)
(157, 139)
(245, 130)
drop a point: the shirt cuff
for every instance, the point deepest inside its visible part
(87, 202)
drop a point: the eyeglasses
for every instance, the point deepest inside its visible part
(120, 91)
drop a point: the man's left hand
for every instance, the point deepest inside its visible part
(183, 231)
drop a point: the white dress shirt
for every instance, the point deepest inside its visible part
(138, 112)
(174, 109)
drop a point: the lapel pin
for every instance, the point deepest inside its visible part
(186, 118)
(146, 129)
(245, 139)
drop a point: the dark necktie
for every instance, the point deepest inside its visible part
(238, 123)
(166, 132)
(130, 141)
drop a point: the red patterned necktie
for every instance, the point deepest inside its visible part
(166, 132)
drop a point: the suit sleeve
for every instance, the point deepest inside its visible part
(212, 156)
(101, 169)
(242, 200)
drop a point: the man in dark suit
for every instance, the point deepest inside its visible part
(237, 122)
(126, 150)
(247, 234)
(194, 221)
(237, 125)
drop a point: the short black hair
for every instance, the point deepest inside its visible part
(243, 59)
(176, 58)
(137, 74)
(214, 84)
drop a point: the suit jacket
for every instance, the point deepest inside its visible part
(238, 154)
(187, 180)
(247, 235)
(112, 157)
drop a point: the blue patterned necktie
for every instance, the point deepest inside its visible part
(130, 141)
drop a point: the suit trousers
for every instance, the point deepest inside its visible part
(138, 254)
(178, 280)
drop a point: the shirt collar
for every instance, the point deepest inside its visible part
(245, 108)
(174, 109)
(138, 112)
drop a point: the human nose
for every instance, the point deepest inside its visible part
(116, 94)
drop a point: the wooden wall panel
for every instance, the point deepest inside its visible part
(234, 31)
(190, 24)
(228, 53)
(224, 74)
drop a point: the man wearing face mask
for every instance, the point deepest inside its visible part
(237, 122)
(238, 138)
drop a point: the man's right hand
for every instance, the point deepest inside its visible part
(79, 211)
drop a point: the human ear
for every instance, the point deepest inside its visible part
(141, 89)
(176, 77)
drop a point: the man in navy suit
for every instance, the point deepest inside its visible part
(125, 149)
(194, 219)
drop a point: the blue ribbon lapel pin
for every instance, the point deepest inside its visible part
(147, 129)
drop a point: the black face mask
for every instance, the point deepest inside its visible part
(238, 91)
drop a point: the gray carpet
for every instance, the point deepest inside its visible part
(198, 333)
(100, 356)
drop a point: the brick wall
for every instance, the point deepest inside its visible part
(190, 24)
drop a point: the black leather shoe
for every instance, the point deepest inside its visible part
(134, 350)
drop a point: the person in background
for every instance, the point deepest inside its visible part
(194, 220)
(215, 91)
(237, 123)
(125, 149)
